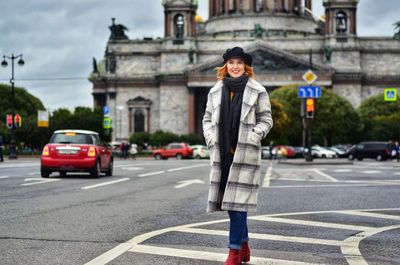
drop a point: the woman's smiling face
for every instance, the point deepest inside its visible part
(235, 67)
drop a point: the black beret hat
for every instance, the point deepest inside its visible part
(237, 52)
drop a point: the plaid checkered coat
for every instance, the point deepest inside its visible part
(244, 177)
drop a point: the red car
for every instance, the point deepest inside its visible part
(76, 151)
(178, 150)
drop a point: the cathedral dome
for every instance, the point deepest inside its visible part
(267, 17)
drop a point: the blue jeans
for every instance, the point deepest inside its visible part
(238, 233)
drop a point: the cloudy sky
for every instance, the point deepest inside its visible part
(59, 38)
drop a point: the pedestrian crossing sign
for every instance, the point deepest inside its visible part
(390, 94)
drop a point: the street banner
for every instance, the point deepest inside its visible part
(43, 118)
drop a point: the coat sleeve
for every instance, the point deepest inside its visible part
(207, 120)
(264, 121)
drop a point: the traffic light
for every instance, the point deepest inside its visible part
(9, 121)
(18, 121)
(310, 108)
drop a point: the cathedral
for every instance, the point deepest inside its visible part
(162, 84)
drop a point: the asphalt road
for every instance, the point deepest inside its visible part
(153, 212)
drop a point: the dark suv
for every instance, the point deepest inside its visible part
(378, 150)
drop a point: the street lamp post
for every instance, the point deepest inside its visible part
(13, 153)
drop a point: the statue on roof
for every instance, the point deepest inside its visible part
(117, 31)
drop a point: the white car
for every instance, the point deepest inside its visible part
(320, 152)
(200, 151)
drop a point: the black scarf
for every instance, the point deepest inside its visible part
(229, 121)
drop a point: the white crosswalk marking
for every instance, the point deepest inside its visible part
(342, 170)
(349, 247)
(370, 171)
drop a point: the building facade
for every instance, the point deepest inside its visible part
(162, 84)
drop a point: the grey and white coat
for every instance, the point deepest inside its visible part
(244, 178)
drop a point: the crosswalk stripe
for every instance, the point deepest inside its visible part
(271, 237)
(150, 174)
(373, 215)
(310, 223)
(203, 255)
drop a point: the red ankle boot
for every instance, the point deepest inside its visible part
(233, 258)
(244, 252)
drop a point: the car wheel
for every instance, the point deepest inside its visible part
(379, 157)
(359, 158)
(63, 174)
(95, 173)
(198, 157)
(179, 156)
(323, 156)
(109, 171)
(44, 173)
(351, 157)
(158, 157)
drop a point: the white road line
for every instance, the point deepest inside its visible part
(373, 215)
(4, 177)
(185, 183)
(33, 173)
(271, 237)
(334, 185)
(350, 248)
(310, 223)
(104, 184)
(187, 167)
(324, 175)
(132, 168)
(38, 181)
(371, 171)
(121, 248)
(150, 174)
(203, 255)
(267, 177)
(396, 173)
(342, 170)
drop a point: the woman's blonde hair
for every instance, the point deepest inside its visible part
(223, 71)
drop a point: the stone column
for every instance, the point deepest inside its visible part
(191, 108)
(130, 120)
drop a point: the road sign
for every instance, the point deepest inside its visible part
(310, 77)
(106, 123)
(390, 94)
(309, 92)
(106, 111)
(43, 118)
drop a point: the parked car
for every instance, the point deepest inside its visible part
(321, 152)
(265, 152)
(376, 150)
(200, 151)
(279, 151)
(340, 153)
(76, 151)
(178, 150)
(298, 152)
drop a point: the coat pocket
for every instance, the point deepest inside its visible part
(254, 138)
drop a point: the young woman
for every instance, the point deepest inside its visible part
(237, 118)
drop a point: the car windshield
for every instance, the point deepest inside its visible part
(71, 138)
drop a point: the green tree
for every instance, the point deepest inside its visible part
(381, 119)
(27, 106)
(397, 27)
(335, 119)
(161, 138)
(140, 138)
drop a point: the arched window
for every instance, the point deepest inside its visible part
(341, 22)
(179, 26)
(139, 120)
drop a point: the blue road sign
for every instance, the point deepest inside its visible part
(106, 110)
(309, 92)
